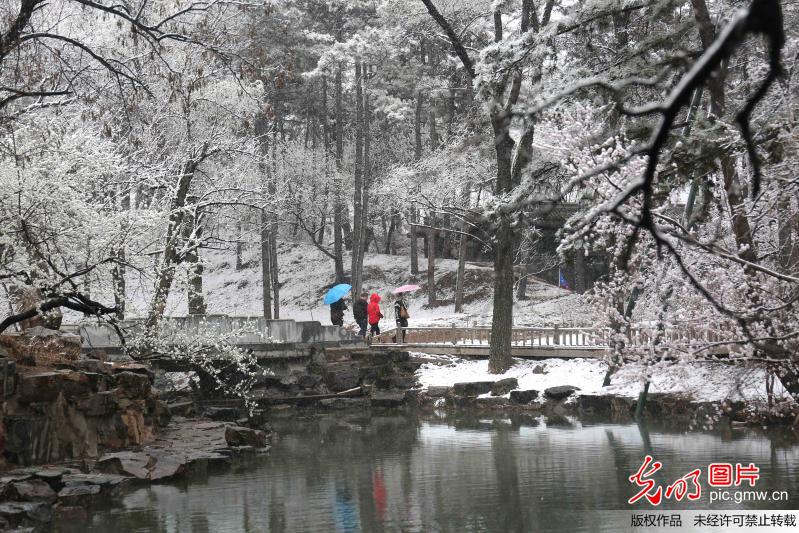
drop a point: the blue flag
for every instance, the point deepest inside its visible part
(562, 283)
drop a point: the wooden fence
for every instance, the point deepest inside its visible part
(560, 337)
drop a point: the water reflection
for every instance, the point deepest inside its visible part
(392, 472)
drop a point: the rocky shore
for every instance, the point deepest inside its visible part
(35, 496)
(567, 400)
(76, 430)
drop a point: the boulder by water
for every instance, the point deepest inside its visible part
(560, 392)
(523, 397)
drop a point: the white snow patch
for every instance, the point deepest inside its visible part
(700, 381)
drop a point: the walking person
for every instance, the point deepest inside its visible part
(360, 313)
(401, 316)
(374, 314)
(337, 309)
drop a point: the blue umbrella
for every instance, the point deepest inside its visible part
(337, 293)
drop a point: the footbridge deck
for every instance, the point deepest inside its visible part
(535, 342)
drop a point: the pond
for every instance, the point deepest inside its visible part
(408, 472)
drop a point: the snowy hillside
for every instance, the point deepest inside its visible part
(305, 274)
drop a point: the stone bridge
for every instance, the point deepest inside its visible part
(265, 338)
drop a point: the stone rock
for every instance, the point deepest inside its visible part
(309, 381)
(27, 439)
(133, 384)
(396, 382)
(504, 386)
(342, 379)
(344, 403)
(241, 436)
(135, 368)
(540, 369)
(92, 365)
(31, 490)
(491, 402)
(184, 409)
(388, 399)
(288, 381)
(560, 392)
(100, 404)
(606, 405)
(79, 495)
(108, 483)
(474, 388)
(522, 397)
(16, 476)
(437, 392)
(557, 420)
(137, 430)
(71, 515)
(135, 464)
(462, 401)
(46, 386)
(142, 465)
(204, 462)
(161, 413)
(52, 476)
(77, 385)
(40, 387)
(16, 513)
(8, 375)
(227, 414)
(44, 346)
(167, 466)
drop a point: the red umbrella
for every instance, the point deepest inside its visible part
(406, 288)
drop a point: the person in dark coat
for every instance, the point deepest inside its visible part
(359, 313)
(337, 312)
(401, 316)
(373, 310)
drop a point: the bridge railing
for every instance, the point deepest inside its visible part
(681, 335)
(481, 335)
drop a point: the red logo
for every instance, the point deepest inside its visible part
(688, 486)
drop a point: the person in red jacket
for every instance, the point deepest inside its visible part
(374, 314)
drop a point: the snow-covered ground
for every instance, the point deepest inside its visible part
(699, 381)
(305, 274)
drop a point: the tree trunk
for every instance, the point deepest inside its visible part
(165, 273)
(357, 200)
(521, 290)
(431, 119)
(365, 232)
(273, 228)
(431, 267)
(239, 247)
(459, 279)
(194, 272)
(732, 186)
(338, 209)
(118, 280)
(784, 235)
(417, 155)
(463, 250)
(500, 359)
(579, 271)
(390, 235)
(273, 267)
(118, 273)
(266, 266)
(502, 321)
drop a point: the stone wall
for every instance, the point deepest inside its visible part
(251, 331)
(73, 408)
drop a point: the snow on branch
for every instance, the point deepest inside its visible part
(762, 17)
